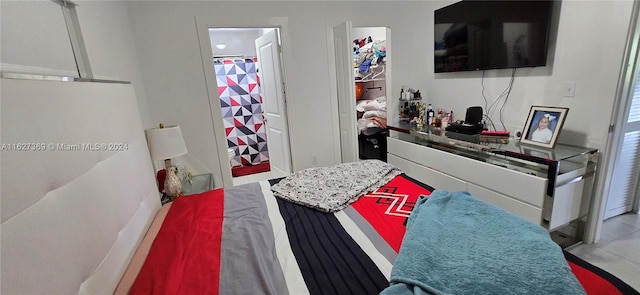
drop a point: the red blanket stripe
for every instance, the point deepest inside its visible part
(194, 226)
(390, 226)
(591, 282)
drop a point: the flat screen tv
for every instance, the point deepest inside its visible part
(480, 35)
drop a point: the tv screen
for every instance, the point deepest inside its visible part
(482, 35)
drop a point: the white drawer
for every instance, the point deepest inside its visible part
(524, 187)
(430, 177)
(566, 204)
(516, 207)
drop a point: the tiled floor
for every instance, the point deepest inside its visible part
(257, 177)
(252, 178)
(618, 250)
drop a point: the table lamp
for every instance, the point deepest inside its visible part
(166, 143)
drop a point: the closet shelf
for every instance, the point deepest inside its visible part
(369, 80)
(376, 73)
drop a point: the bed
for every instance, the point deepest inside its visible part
(90, 222)
(355, 250)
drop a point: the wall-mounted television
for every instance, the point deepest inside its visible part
(479, 35)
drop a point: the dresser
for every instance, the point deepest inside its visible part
(550, 187)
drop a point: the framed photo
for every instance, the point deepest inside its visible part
(543, 126)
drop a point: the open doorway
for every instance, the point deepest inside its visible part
(247, 65)
(620, 179)
(370, 77)
(362, 78)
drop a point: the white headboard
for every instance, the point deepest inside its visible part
(72, 212)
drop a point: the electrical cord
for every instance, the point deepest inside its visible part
(513, 76)
(490, 109)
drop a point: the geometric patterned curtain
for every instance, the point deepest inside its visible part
(241, 103)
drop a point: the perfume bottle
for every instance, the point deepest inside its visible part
(439, 117)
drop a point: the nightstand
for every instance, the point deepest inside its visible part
(199, 183)
(201, 177)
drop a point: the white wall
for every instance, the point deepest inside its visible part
(154, 44)
(169, 55)
(591, 38)
(376, 34)
(39, 40)
(588, 50)
(35, 39)
(239, 41)
(161, 38)
(111, 47)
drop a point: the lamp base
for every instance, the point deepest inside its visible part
(172, 184)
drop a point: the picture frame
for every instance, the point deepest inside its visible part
(543, 126)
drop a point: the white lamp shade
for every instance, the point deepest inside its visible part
(166, 143)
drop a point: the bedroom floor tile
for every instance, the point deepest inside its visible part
(630, 219)
(613, 229)
(617, 250)
(627, 247)
(252, 178)
(614, 264)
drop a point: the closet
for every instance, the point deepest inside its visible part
(370, 61)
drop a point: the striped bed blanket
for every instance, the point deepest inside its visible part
(244, 240)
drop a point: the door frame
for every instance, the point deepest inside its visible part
(614, 140)
(392, 113)
(346, 94)
(202, 30)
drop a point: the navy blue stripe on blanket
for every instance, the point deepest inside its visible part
(331, 262)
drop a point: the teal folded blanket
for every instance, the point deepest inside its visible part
(456, 244)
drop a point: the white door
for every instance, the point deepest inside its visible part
(346, 92)
(626, 172)
(268, 53)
